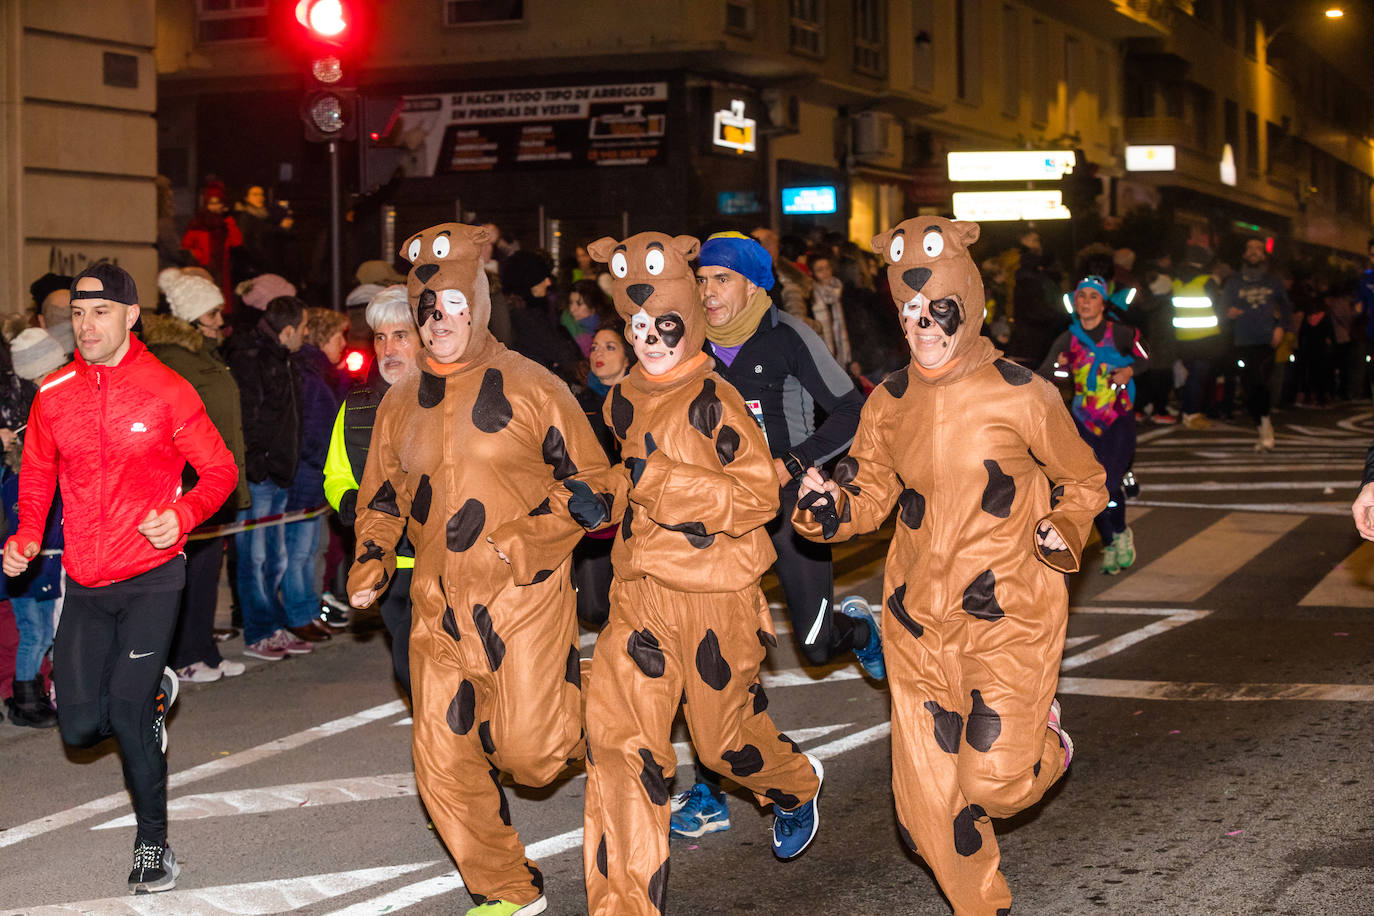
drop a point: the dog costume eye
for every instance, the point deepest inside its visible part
(895, 252)
(619, 266)
(942, 307)
(414, 251)
(640, 322)
(653, 262)
(441, 247)
(933, 243)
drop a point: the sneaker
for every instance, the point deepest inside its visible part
(223, 634)
(1196, 421)
(334, 611)
(155, 868)
(871, 653)
(1266, 434)
(162, 705)
(265, 649)
(794, 830)
(1111, 563)
(1129, 485)
(506, 908)
(289, 644)
(700, 813)
(231, 668)
(1163, 419)
(1125, 549)
(1064, 740)
(199, 673)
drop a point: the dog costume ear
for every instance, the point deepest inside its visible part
(479, 235)
(968, 232)
(687, 246)
(601, 249)
(880, 242)
(405, 247)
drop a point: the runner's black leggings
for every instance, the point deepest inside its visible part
(108, 656)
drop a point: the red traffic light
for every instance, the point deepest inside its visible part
(355, 362)
(327, 20)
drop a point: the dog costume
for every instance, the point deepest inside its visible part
(976, 455)
(689, 623)
(480, 454)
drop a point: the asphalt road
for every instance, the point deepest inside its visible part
(1220, 695)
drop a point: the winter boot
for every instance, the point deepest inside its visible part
(29, 706)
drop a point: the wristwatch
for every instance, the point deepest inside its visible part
(794, 467)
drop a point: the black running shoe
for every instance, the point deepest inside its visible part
(155, 869)
(162, 704)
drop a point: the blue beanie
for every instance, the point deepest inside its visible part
(1095, 283)
(740, 253)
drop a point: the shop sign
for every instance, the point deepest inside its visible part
(1150, 158)
(552, 127)
(991, 206)
(1011, 165)
(819, 199)
(732, 130)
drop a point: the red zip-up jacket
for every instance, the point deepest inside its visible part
(116, 438)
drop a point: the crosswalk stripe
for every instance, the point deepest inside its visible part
(1199, 564)
(1174, 690)
(1121, 643)
(1231, 486)
(1350, 584)
(279, 895)
(1223, 467)
(1341, 508)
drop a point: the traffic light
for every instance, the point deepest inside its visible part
(355, 362)
(329, 35)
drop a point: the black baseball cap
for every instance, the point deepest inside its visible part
(115, 284)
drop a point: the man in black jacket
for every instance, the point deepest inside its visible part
(270, 393)
(785, 373)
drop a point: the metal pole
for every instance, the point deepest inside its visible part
(624, 224)
(335, 229)
(543, 230)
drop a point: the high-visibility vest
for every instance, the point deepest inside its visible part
(1194, 318)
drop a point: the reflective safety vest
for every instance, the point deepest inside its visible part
(1194, 318)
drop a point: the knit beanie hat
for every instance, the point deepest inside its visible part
(190, 297)
(262, 289)
(738, 252)
(1095, 283)
(35, 353)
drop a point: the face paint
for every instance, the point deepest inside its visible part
(948, 314)
(641, 326)
(425, 308)
(454, 302)
(670, 328)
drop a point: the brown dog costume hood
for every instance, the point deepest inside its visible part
(653, 279)
(446, 273)
(935, 283)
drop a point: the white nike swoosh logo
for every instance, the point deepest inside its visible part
(142, 655)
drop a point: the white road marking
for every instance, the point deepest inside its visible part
(1350, 584)
(1121, 643)
(216, 767)
(1202, 562)
(1232, 486)
(279, 895)
(1171, 690)
(1279, 508)
(1224, 467)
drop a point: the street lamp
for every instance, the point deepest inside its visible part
(1331, 12)
(1335, 12)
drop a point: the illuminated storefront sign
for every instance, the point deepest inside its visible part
(1150, 158)
(990, 206)
(809, 200)
(1011, 165)
(733, 130)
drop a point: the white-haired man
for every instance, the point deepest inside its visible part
(395, 342)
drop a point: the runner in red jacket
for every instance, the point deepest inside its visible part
(114, 429)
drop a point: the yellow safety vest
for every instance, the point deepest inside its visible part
(1194, 318)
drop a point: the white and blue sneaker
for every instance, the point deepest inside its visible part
(871, 655)
(697, 812)
(794, 830)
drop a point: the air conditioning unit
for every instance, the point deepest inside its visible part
(783, 110)
(877, 138)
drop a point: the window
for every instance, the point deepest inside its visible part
(1229, 22)
(1073, 69)
(1106, 93)
(1205, 10)
(923, 45)
(739, 17)
(1251, 36)
(1040, 72)
(870, 31)
(1252, 147)
(806, 29)
(1276, 146)
(1011, 63)
(1232, 125)
(467, 12)
(967, 85)
(230, 20)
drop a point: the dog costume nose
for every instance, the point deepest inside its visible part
(425, 271)
(639, 292)
(916, 277)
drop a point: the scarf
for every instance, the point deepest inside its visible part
(740, 328)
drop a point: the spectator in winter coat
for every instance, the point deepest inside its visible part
(210, 236)
(270, 394)
(52, 301)
(827, 307)
(316, 363)
(187, 342)
(526, 279)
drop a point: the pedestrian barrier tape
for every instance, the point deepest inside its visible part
(267, 521)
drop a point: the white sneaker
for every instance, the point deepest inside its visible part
(199, 673)
(289, 644)
(1266, 434)
(231, 668)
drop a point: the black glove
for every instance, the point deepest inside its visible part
(822, 509)
(588, 509)
(636, 465)
(348, 508)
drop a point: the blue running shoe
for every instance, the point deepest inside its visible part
(871, 655)
(793, 830)
(700, 813)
